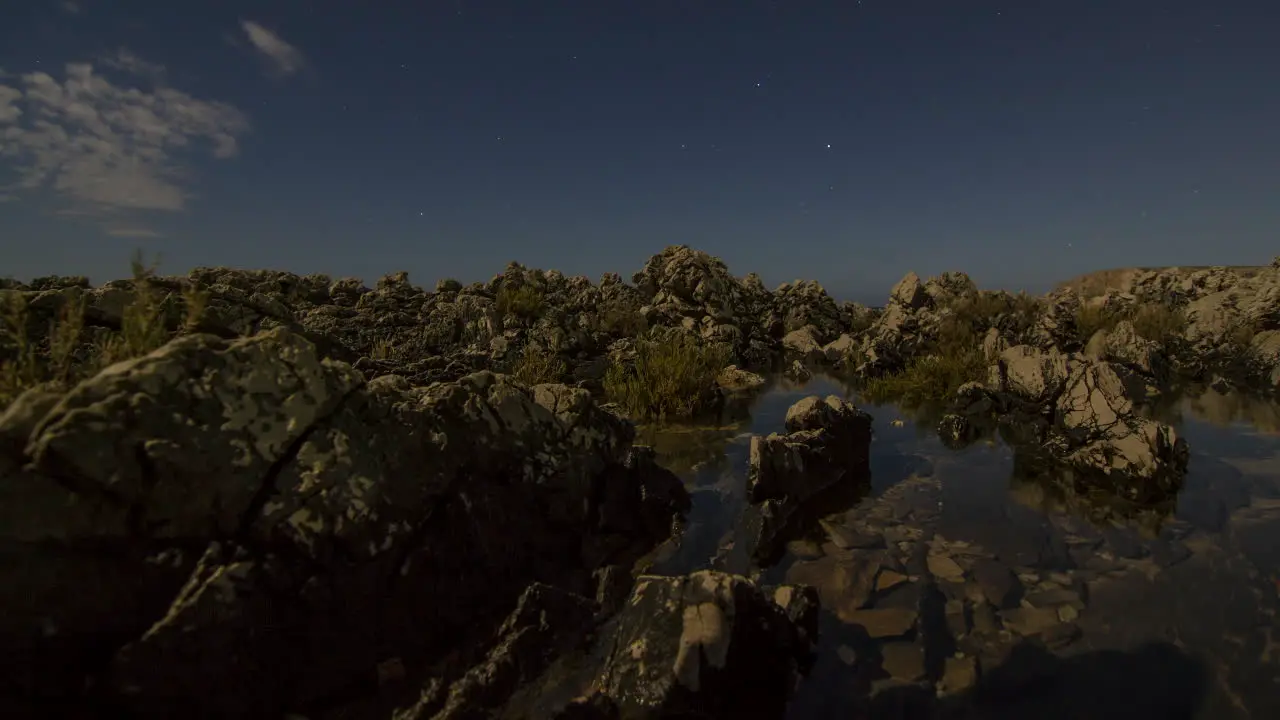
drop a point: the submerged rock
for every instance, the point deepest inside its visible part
(708, 645)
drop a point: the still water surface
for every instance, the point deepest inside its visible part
(1176, 605)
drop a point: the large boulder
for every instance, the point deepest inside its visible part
(1084, 413)
(250, 528)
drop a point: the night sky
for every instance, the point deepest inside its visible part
(849, 142)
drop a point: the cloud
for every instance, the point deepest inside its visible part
(128, 232)
(70, 7)
(108, 147)
(126, 61)
(284, 58)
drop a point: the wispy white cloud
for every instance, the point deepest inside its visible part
(284, 59)
(131, 232)
(107, 147)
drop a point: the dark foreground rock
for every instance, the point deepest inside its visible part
(707, 645)
(245, 528)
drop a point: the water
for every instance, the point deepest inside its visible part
(1176, 605)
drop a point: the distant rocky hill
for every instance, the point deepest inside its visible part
(1098, 282)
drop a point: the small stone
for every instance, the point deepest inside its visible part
(1029, 621)
(1068, 613)
(1053, 598)
(958, 674)
(1060, 636)
(903, 661)
(883, 623)
(999, 585)
(944, 567)
(888, 579)
(985, 619)
(847, 655)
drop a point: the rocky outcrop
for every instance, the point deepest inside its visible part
(250, 528)
(1082, 413)
(826, 445)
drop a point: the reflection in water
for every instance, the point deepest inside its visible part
(916, 577)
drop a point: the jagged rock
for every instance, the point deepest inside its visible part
(1093, 421)
(710, 645)
(827, 440)
(547, 623)
(803, 344)
(322, 511)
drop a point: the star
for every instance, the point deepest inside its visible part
(828, 146)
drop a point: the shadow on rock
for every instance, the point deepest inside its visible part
(1155, 681)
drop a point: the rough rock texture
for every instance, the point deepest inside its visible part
(1082, 413)
(250, 528)
(827, 444)
(709, 645)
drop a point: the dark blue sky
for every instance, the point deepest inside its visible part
(848, 142)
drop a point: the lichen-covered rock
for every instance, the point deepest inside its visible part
(709, 645)
(1083, 412)
(250, 528)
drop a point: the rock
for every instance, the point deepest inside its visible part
(844, 582)
(888, 579)
(847, 538)
(958, 674)
(232, 503)
(1030, 620)
(903, 661)
(709, 644)
(945, 568)
(803, 344)
(883, 623)
(733, 378)
(998, 584)
(827, 442)
(546, 623)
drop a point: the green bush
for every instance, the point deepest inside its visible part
(536, 365)
(1092, 318)
(623, 320)
(524, 302)
(1158, 322)
(142, 329)
(930, 379)
(672, 378)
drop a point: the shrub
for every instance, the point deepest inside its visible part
(672, 377)
(536, 365)
(524, 301)
(930, 379)
(143, 328)
(623, 320)
(1158, 322)
(1092, 318)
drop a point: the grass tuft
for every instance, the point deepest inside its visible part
(929, 379)
(524, 301)
(536, 365)
(672, 378)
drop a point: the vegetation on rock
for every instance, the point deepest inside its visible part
(524, 302)
(65, 355)
(672, 377)
(536, 365)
